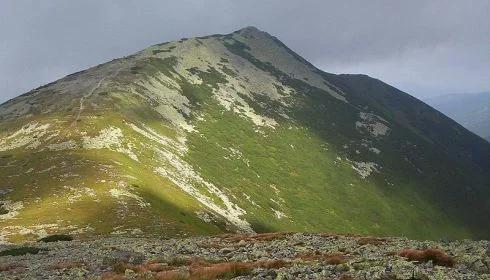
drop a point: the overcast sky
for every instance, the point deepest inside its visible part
(425, 48)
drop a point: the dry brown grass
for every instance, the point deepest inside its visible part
(193, 269)
(172, 275)
(158, 267)
(111, 276)
(345, 276)
(371, 240)
(221, 270)
(329, 258)
(438, 257)
(274, 264)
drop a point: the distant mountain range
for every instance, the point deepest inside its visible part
(234, 132)
(470, 110)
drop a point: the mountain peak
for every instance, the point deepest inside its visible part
(249, 29)
(233, 133)
(253, 32)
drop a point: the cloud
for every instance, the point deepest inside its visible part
(422, 47)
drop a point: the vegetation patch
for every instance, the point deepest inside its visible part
(438, 257)
(56, 238)
(3, 211)
(20, 251)
(193, 269)
(159, 51)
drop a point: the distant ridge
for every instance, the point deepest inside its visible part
(470, 110)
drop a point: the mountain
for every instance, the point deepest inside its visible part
(229, 133)
(470, 110)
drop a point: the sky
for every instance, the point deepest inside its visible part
(425, 48)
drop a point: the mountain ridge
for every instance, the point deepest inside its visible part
(234, 132)
(471, 110)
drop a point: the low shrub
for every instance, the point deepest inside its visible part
(20, 251)
(438, 257)
(56, 238)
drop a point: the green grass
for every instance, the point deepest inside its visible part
(331, 195)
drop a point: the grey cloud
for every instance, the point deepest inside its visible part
(422, 47)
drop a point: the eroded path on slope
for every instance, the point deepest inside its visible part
(91, 92)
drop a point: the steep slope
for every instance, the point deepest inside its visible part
(470, 110)
(234, 133)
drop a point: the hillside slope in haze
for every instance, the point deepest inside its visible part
(234, 133)
(470, 110)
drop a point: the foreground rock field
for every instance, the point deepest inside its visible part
(262, 256)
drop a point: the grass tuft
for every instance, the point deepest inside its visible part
(194, 269)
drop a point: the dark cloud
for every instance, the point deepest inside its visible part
(423, 47)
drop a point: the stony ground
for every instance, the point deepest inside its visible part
(263, 256)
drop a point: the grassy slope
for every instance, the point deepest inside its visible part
(46, 199)
(320, 192)
(328, 195)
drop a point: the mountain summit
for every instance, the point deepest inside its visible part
(233, 133)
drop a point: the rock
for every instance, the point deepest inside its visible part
(124, 257)
(379, 262)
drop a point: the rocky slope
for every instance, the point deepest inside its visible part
(265, 256)
(230, 133)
